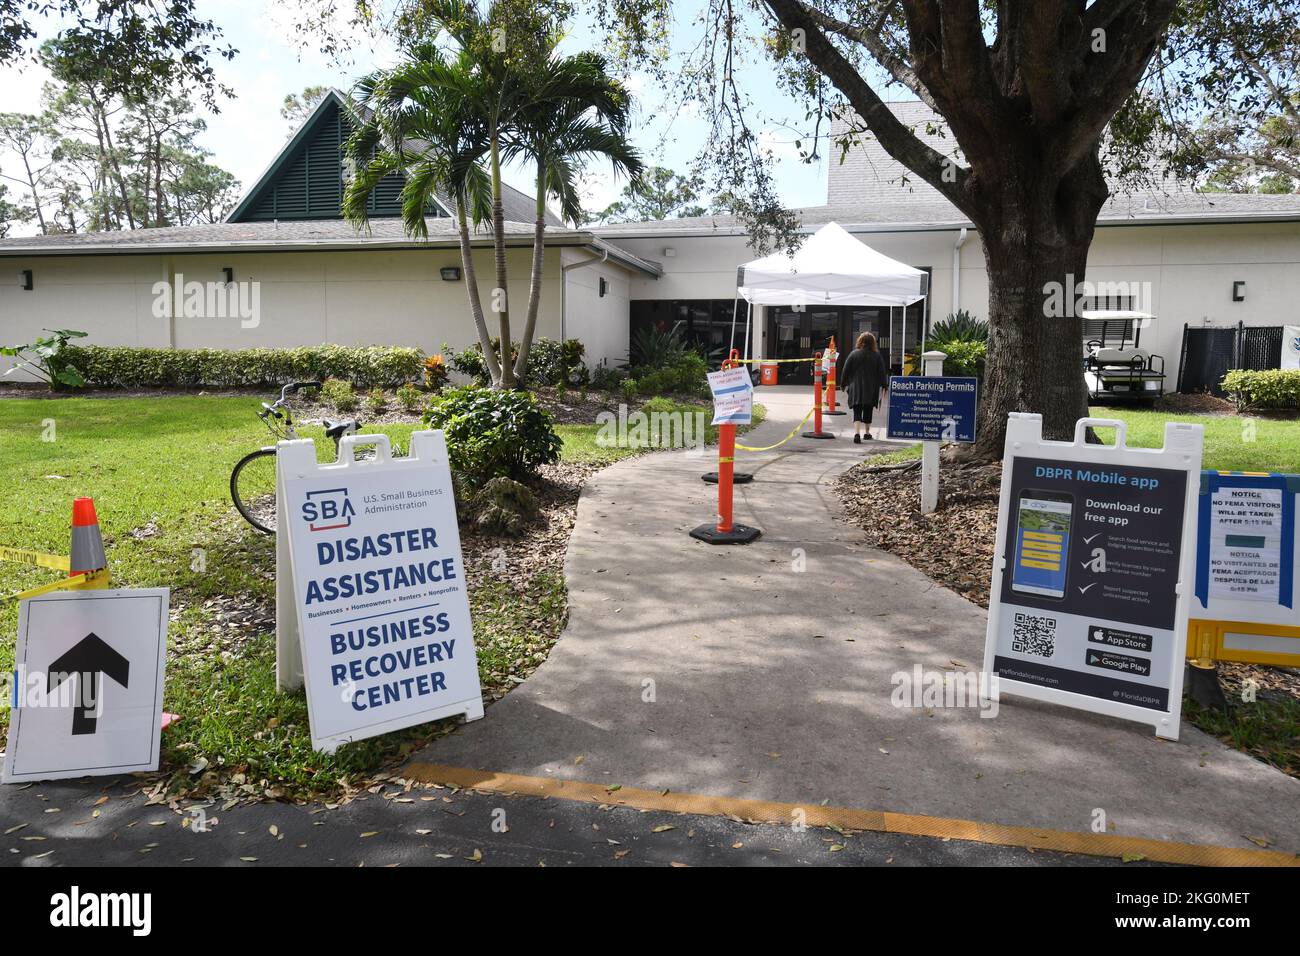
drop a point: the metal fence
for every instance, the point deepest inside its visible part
(1210, 353)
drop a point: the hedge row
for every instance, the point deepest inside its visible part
(1264, 388)
(365, 367)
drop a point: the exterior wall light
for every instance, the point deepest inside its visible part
(450, 273)
(229, 275)
(25, 280)
(1239, 290)
(604, 287)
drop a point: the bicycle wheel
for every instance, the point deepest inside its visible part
(252, 489)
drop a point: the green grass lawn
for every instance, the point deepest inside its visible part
(1232, 443)
(158, 469)
(581, 442)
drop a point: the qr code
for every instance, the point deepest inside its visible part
(1034, 635)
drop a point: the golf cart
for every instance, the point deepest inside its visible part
(1115, 365)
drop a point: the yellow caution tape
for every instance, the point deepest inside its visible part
(35, 559)
(84, 581)
(757, 361)
(783, 440)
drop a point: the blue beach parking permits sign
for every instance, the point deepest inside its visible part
(932, 408)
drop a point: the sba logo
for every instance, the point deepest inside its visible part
(328, 509)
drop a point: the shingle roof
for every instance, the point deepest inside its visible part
(299, 234)
(932, 213)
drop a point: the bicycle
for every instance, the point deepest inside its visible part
(252, 483)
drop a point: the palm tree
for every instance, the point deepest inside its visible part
(576, 113)
(504, 94)
(419, 120)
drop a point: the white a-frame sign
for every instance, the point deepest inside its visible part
(372, 606)
(1093, 570)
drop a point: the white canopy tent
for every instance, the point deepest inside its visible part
(830, 268)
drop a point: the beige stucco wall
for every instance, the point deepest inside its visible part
(599, 322)
(1190, 269)
(306, 298)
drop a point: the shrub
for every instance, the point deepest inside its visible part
(493, 434)
(958, 326)
(654, 349)
(1264, 388)
(338, 393)
(468, 362)
(376, 401)
(964, 358)
(555, 363)
(127, 367)
(686, 374)
(49, 358)
(435, 372)
(410, 397)
(607, 379)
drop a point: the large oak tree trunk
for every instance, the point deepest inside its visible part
(1036, 240)
(1034, 360)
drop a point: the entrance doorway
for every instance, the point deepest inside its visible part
(795, 334)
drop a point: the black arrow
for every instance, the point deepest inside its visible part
(89, 657)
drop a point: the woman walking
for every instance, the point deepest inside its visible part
(865, 380)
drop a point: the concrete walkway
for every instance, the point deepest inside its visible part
(724, 670)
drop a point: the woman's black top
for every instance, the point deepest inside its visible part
(864, 376)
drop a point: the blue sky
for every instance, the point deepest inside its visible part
(246, 134)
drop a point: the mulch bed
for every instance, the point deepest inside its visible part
(953, 545)
(1195, 403)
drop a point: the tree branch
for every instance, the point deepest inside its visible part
(894, 137)
(1111, 77)
(870, 39)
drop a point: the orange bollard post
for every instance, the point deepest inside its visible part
(832, 360)
(738, 477)
(726, 531)
(817, 401)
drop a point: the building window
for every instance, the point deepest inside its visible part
(705, 324)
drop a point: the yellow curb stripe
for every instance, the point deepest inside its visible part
(766, 811)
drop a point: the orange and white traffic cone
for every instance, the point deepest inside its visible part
(87, 543)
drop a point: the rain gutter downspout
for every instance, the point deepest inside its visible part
(956, 269)
(564, 288)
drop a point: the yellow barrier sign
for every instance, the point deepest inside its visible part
(1243, 641)
(1247, 555)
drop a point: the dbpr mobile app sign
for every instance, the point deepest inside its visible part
(1093, 571)
(380, 591)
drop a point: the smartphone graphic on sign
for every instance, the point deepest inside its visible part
(1042, 542)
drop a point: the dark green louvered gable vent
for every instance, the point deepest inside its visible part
(306, 182)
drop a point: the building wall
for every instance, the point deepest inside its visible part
(306, 298)
(1190, 269)
(599, 322)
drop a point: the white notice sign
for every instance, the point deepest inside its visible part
(88, 684)
(379, 587)
(733, 396)
(1246, 544)
(1290, 346)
